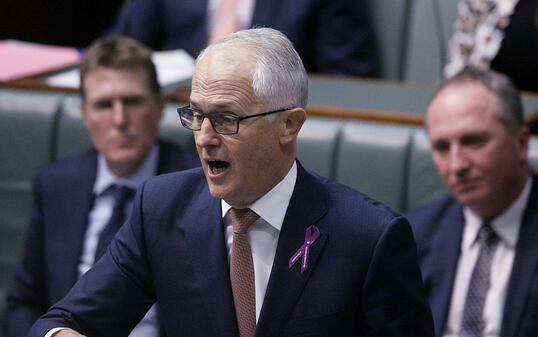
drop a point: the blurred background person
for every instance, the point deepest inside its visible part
(478, 246)
(331, 36)
(80, 202)
(498, 35)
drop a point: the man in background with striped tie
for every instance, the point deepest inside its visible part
(478, 247)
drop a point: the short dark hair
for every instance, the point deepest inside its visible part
(119, 52)
(508, 109)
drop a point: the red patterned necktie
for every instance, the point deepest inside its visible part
(242, 272)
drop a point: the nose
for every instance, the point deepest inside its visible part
(206, 136)
(119, 113)
(458, 163)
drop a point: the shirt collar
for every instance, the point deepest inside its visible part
(272, 206)
(105, 178)
(506, 225)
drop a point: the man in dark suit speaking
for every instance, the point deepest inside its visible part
(252, 244)
(478, 247)
(78, 201)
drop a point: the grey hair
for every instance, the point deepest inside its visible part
(279, 78)
(508, 109)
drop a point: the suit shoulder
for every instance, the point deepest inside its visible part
(431, 210)
(68, 169)
(426, 219)
(353, 207)
(176, 156)
(349, 198)
(165, 185)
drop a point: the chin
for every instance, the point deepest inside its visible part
(471, 199)
(216, 191)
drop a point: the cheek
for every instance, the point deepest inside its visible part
(145, 125)
(98, 130)
(441, 164)
(492, 160)
(250, 158)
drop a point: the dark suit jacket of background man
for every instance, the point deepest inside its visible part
(362, 277)
(62, 201)
(331, 36)
(438, 229)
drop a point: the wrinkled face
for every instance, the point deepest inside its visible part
(481, 163)
(122, 115)
(239, 168)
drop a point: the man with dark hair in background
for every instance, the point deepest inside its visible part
(80, 202)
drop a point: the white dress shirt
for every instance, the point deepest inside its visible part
(99, 215)
(506, 226)
(263, 233)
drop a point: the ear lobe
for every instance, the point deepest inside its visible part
(291, 125)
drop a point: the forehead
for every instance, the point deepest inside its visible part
(223, 79)
(461, 108)
(111, 81)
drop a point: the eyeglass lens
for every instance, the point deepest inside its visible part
(221, 122)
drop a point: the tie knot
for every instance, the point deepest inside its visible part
(242, 219)
(122, 193)
(486, 235)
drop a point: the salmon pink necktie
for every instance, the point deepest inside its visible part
(242, 272)
(227, 20)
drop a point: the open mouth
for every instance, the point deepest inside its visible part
(217, 166)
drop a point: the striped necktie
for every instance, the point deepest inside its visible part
(473, 322)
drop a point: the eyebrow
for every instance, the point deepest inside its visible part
(218, 106)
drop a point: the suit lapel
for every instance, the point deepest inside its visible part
(285, 284)
(443, 263)
(205, 237)
(524, 267)
(81, 196)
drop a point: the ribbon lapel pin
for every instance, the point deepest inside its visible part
(311, 235)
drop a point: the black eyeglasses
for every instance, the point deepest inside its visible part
(222, 122)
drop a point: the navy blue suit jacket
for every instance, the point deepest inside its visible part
(62, 201)
(331, 36)
(362, 277)
(438, 229)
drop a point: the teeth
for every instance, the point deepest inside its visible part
(217, 169)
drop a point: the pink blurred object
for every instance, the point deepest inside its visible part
(19, 59)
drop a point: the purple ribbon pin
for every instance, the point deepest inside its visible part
(311, 235)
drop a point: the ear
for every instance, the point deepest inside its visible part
(523, 135)
(291, 123)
